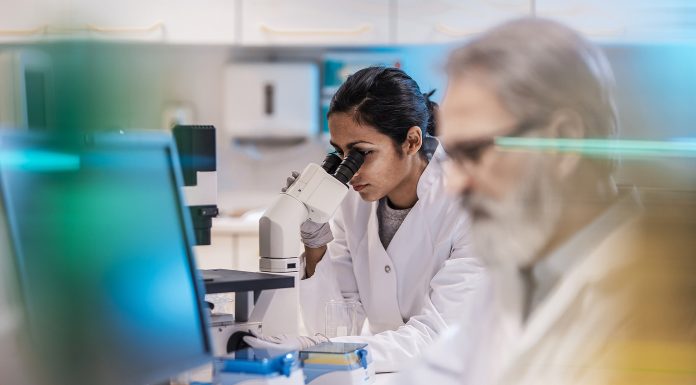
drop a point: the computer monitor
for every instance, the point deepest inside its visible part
(13, 366)
(103, 245)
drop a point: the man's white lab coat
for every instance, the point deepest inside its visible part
(623, 301)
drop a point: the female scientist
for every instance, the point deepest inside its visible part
(397, 245)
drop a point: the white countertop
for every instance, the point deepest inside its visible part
(204, 374)
(384, 378)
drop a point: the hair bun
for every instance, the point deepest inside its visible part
(432, 112)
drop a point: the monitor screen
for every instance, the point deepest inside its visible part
(13, 365)
(104, 249)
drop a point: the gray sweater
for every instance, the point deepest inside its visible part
(389, 218)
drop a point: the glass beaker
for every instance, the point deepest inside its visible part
(341, 318)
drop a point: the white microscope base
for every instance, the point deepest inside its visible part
(279, 265)
(223, 326)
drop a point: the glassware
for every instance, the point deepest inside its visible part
(341, 318)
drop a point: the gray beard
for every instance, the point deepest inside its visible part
(511, 233)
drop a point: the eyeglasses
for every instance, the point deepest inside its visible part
(472, 150)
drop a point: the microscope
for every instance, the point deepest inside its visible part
(259, 305)
(315, 195)
(196, 147)
(253, 291)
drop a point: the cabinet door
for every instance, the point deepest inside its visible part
(315, 22)
(171, 21)
(28, 20)
(422, 22)
(625, 21)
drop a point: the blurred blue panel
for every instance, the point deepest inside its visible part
(106, 259)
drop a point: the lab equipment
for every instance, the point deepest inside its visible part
(315, 195)
(259, 367)
(196, 147)
(253, 295)
(341, 318)
(104, 248)
(274, 102)
(252, 291)
(337, 363)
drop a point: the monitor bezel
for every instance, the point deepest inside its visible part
(139, 139)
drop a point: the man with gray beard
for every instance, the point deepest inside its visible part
(579, 267)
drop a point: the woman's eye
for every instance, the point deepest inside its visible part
(365, 153)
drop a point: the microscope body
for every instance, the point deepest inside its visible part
(315, 196)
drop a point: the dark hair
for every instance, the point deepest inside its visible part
(387, 99)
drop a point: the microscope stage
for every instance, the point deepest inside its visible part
(234, 281)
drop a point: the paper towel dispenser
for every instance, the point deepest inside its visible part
(271, 101)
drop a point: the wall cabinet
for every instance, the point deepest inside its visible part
(315, 22)
(168, 21)
(440, 21)
(27, 20)
(332, 23)
(625, 21)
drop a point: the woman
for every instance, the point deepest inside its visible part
(398, 244)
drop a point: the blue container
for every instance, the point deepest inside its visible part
(273, 366)
(333, 357)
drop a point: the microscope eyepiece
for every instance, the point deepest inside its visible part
(331, 162)
(349, 166)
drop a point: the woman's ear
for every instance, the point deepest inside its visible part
(414, 140)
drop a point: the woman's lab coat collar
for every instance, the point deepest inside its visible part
(435, 153)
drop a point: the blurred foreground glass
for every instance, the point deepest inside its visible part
(341, 318)
(106, 262)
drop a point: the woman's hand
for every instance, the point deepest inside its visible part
(284, 341)
(291, 179)
(315, 236)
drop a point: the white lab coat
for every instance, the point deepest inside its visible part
(409, 292)
(588, 329)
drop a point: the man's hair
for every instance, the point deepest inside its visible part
(537, 67)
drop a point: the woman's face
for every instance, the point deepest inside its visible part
(383, 170)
